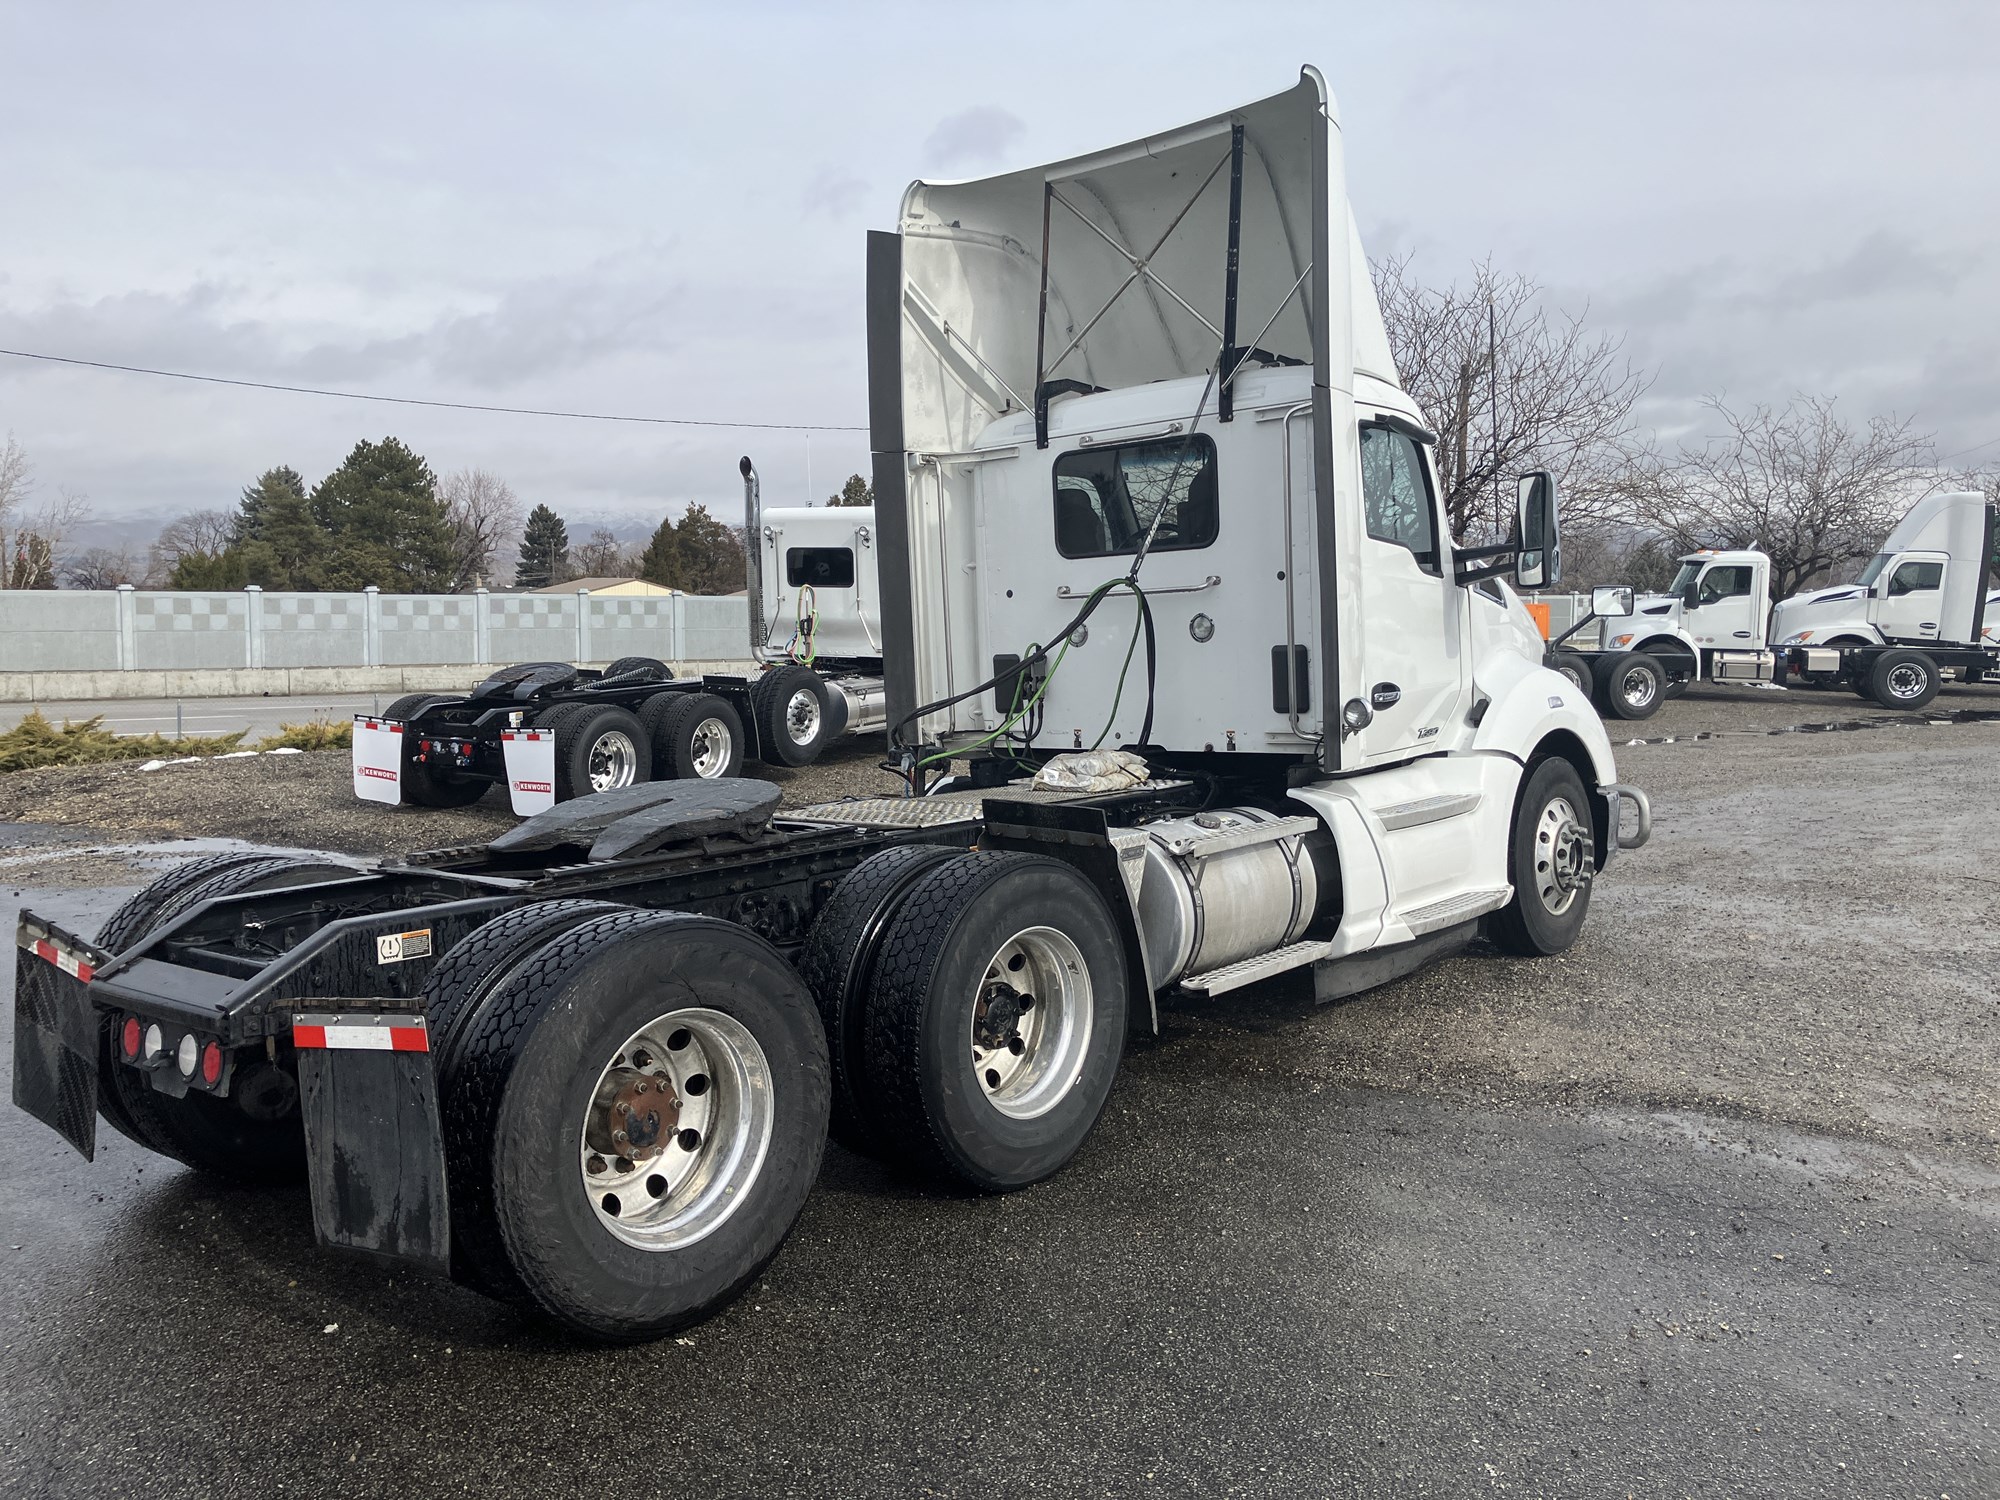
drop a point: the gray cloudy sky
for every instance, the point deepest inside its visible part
(659, 209)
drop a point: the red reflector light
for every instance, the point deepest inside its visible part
(211, 1063)
(129, 1037)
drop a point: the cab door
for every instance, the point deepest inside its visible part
(1909, 601)
(1726, 613)
(1413, 626)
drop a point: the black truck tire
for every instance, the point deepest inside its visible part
(421, 786)
(258, 1145)
(458, 987)
(1576, 667)
(599, 748)
(958, 1090)
(795, 714)
(1551, 860)
(639, 668)
(1903, 679)
(1631, 685)
(838, 966)
(566, 1038)
(698, 737)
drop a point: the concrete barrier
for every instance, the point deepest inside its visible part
(273, 682)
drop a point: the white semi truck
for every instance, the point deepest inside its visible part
(1917, 614)
(1147, 487)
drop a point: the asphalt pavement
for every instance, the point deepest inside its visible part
(1653, 1236)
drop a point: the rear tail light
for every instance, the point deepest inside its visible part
(154, 1044)
(211, 1064)
(130, 1037)
(187, 1055)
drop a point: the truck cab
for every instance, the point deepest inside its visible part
(1927, 584)
(1708, 627)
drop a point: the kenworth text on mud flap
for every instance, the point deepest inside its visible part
(1916, 617)
(549, 731)
(1146, 481)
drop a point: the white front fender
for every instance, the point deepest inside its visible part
(1526, 703)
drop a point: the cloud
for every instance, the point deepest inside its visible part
(833, 193)
(980, 134)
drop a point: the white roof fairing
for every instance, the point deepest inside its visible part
(972, 261)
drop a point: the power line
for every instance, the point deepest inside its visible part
(511, 411)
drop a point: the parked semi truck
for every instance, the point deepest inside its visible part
(550, 731)
(1156, 521)
(1917, 615)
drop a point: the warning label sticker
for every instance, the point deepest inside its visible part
(400, 947)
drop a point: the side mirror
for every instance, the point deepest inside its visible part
(1609, 600)
(1539, 564)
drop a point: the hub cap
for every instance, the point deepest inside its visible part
(1638, 686)
(712, 744)
(802, 716)
(1562, 856)
(614, 760)
(1906, 680)
(1031, 1023)
(677, 1129)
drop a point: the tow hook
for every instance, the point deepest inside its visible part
(1617, 792)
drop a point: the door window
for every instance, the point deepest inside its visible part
(1107, 498)
(1728, 582)
(1916, 578)
(1396, 494)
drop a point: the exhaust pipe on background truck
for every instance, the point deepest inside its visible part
(753, 557)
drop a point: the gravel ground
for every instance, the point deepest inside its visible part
(1704, 1207)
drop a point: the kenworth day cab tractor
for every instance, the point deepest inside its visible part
(549, 731)
(1146, 482)
(1916, 616)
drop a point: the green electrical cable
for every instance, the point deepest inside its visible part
(1014, 717)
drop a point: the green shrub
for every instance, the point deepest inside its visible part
(35, 742)
(315, 734)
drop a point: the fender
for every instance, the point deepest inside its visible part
(1525, 704)
(1652, 640)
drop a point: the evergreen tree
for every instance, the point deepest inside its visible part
(857, 491)
(711, 554)
(661, 561)
(226, 569)
(290, 549)
(273, 487)
(384, 522)
(544, 550)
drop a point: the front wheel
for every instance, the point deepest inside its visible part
(1903, 679)
(1631, 686)
(997, 1020)
(1551, 860)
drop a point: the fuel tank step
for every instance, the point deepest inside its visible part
(1248, 971)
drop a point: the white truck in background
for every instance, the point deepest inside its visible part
(1919, 613)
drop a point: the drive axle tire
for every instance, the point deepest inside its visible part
(1576, 667)
(253, 1135)
(997, 1019)
(1631, 686)
(838, 966)
(696, 736)
(795, 715)
(599, 748)
(454, 994)
(647, 1096)
(1903, 679)
(1551, 860)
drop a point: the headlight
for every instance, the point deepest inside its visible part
(1621, 640)
(1796, 638)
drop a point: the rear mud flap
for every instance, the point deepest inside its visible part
(55, 1034)
(374, 1145)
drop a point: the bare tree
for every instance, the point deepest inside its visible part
(482, 513)
(206, 533)
(603, 556)
(1511, 385)
(36, 553)
(15, 477)
(1798, 483)
(100, 568)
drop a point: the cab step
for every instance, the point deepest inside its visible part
(1248, 971)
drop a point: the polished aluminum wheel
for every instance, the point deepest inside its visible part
(1637, 686)
(677, 1129)
(614, 760)
(712, 745)
(1907, 681)
(1562, 856)
(1031, 1022)
(802, 715)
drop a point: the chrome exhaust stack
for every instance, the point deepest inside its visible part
(753, 558)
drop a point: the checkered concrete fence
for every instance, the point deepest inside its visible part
(129, 630)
